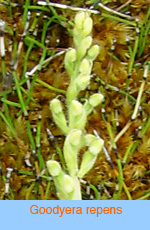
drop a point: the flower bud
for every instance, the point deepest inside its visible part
(87, 26)
(71, 149)
(82, 81)
(84, 45)
(93, 101)
(86, 42)
(89, 138)
(68, 184)
(75, 137)
(58, 115)
(76, 108)
(87, 163)
(53, 167)
(77, 116)
(96, 146)
(70, 58)
(96, 99)
(70, 55)
(93, 52)
(85, 66)
(79, 20)
(56, 106)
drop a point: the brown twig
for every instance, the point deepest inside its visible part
(123, 5)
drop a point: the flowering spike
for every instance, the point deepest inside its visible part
(78, 63)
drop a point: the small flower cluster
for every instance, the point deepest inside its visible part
(78, 63)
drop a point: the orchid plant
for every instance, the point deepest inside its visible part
(78, 63)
